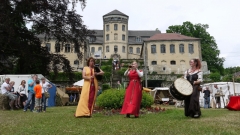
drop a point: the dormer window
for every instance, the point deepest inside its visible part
(92, 39)
(138, 39)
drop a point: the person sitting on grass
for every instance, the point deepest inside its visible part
(38, 96)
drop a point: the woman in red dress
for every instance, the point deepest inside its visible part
(133, 95)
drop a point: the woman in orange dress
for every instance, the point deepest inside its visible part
(133, 95)
(89, 90)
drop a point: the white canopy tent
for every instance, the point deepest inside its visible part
(79, 83)
(227, 89)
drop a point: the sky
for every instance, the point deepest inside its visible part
(222, 17)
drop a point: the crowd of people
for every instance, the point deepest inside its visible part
(32, 98)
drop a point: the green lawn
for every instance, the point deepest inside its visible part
(60, 120)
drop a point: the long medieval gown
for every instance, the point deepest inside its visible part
(88, 95)
(191, 103)
(133, 95)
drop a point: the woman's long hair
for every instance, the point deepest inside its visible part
(198, 63)
(91, 58)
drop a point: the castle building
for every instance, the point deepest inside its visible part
(164, 53)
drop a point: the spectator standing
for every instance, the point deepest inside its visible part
(31, 94)
(38, 95)
(217, 97)
(45, 87)
(206, 97)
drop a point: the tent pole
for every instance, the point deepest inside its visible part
(234, 87)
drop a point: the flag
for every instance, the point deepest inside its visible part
(98, 54)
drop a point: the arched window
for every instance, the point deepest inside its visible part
(130, 49)
(138, 50)
(67, 47)
(92, 49)
(172, 48)
(107, 27)
(115, 27)
(163, 49)
(99, 48)
(107, 37)
(123, 37)
(173, 62)
(115, 48)
(123, 49)
(115, 36)
(181, 48)
(76, 62)
(190, 48)
(107, 48)
(153, 49)
(123, 27)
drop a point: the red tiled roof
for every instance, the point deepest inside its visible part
(170, 36)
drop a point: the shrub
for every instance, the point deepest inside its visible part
(105, 87)
(113, 98)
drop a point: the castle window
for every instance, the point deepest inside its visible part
(107, 48)
(57, 48)
(172, 48)
(67, 47)
(163, 49)
(107, 37)
(130, 49)
(138, 39)
(123, 27)
(190, 48)
(154, 62)
(115, 27)
(123, 49)
(181, 48)
(76, 49)
(107, 27)
(115, 48)
(115, 36)
(92, 49)
(76, 62)
(153, 49)
(123, 37)
(173, 62)
(92, 39)
(48, 45)
(138, 50)
(99, 48)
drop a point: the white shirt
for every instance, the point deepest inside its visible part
(200, 75)
(3, 87)
(45, 86)
(21, 90)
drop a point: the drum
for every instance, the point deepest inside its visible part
(180, 89)
(97, 69)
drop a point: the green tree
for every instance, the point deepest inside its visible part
(210, 52)
(215, 77)
(20, 48)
